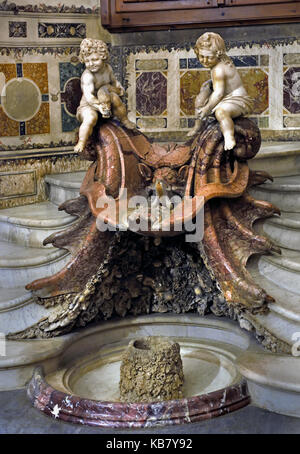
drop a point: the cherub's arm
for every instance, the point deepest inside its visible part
(88, 88)
(115, 83)
(218, 77)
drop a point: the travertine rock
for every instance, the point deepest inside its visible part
(151, 370)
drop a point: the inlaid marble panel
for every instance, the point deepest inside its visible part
(190, 84)
(170, 93)
(17, 29)
(70, 93)
(24, 99)
(291, 89)
(151, 93)
(256, 82)
(13, 184)
(61, 30)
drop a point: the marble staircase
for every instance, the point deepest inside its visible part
(279, 275)
(24, 258)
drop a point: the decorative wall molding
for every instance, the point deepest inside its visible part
(16, 184)
(17, 29)
(61, 30)
(48, 9)
(20, 51)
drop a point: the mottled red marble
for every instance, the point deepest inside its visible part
(151, 93)
(125, 415)
(291, 90)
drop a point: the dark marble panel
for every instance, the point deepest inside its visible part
(69, 123)
(17, 29)
(245, 60)
(19, 70)
(194, 63)
(61, 30)
(71, 95)
(22, 128)
(291, 90)
(151, 93)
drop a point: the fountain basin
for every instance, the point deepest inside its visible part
(84, 388)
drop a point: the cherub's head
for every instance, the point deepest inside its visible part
(94, 53)
(210, 49)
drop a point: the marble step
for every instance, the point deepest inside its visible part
(63, 186)
(277, 158)
(283, 320)
(284, 277)
(289, 260)
(287, 303)
(284, 230)
(29, 225)
(20, 265)
(18, 311)
(273, 381)
(284, 192)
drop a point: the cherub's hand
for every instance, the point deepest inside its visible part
(202, 112)
(120, 89)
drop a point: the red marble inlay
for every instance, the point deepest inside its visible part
(151, 93)
(120, 415)
(291, 90)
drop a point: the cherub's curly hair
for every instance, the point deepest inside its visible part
(213, 42)
(89, 45)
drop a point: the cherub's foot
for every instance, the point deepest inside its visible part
(230, 142)
(128, 124)
(193, 132)
(79, 147)
(195, 129)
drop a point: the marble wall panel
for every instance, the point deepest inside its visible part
(24, 100)
(70, 93)
(151, 93)
(61, 30)
(17, 29)
(270, 72)
(17, 184)
(39, 91)
(22, 180)
(45, 64)
(291, 90)
(190, 84)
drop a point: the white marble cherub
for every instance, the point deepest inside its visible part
(228, 98)
(101, 91)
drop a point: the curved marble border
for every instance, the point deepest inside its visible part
(75, 409)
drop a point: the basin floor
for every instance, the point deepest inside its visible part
(18, 417)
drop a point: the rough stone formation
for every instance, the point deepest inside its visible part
(121, 272)
(139, 275)
(151, 370)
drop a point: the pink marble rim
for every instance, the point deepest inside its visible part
(75, 409)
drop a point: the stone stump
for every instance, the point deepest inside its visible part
(151, 370)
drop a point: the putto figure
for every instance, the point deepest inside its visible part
(101, 91)
(224, 95)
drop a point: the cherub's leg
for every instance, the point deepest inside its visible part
(224, 115)
(89, 119)
(119, 111)
(195, 129)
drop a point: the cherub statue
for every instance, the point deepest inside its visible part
(100, 90)
(227, 97)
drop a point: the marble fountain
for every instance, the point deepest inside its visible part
(231, 300)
